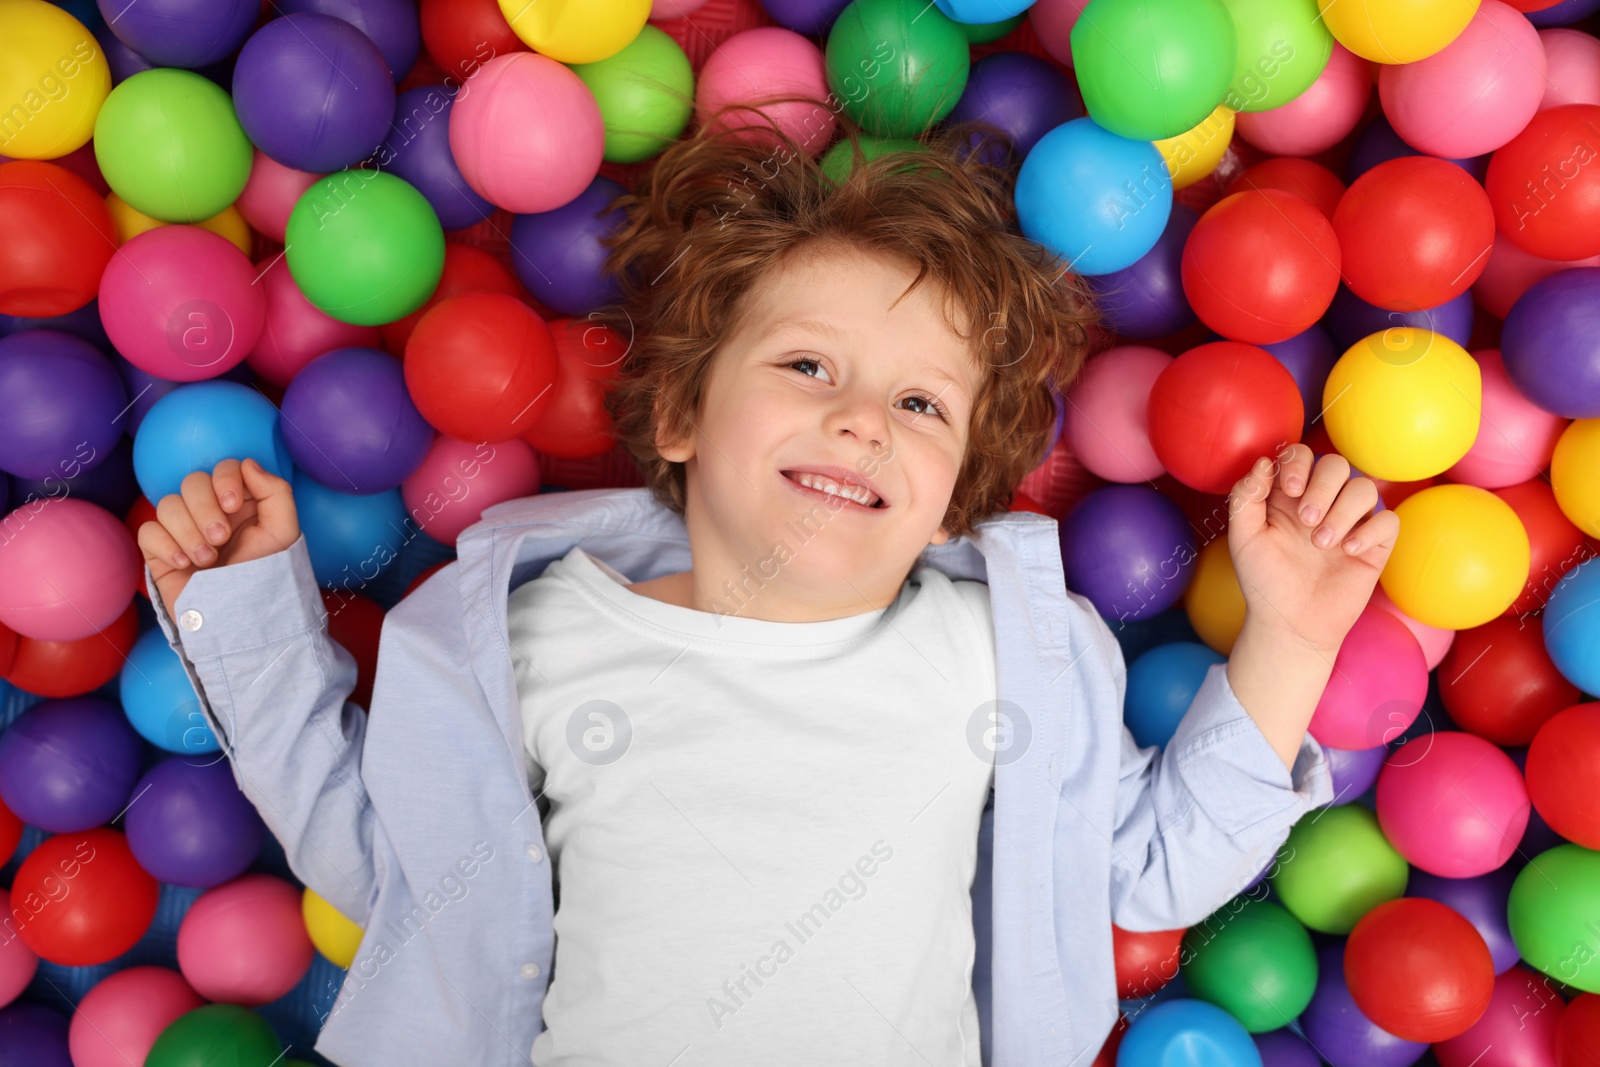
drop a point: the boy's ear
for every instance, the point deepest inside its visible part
(940, 537)
(669, 450)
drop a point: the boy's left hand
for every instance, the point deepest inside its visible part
(1307, 591)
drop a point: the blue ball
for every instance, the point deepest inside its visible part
(351, 539)
(159, 700)
(1572, 626)
(1161, 686)
(1190, 1032)
(981, 12)
(1096, 200)
(198, 425)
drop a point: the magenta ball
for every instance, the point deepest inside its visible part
(296, 332)
(1516, 437)
(1434, 640)
(790, 65)
(1510, 272)
(457, 480)
(1105, 422)
(69, 570)
(1318, 118)
(69, 764)
(1456, 809)
(18, 962)
(1517, 1029)
(1378, 683)
(192, 825)
(179, 303)
(60, 398)
(526, 133)
(350, 424)
(270, 194)
(122, 1015)
(245, 941)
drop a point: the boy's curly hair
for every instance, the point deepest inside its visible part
(716, 212)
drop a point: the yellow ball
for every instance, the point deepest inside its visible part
(1461, 557)
(1396, 31)
(131, 222)
(335, 936)
(1195, 153)
(53, 79)
(576, 31)
(1403, 404)
(1575, 475)
(1213, 600)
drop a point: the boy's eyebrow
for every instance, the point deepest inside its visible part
(834, 333)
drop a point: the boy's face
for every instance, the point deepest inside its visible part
(859, 403)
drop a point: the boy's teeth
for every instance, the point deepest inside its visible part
(821, 484)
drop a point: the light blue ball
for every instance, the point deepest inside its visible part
(197, 426)
(1161, 685)
(1572, 626)
(982, 12)
(1096, 200)
(350, 539)
(160, 702)
(1194, 1033)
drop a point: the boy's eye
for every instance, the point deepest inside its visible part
(931, 406)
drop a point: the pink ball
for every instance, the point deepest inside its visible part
(764, 62)
(1511, 272)
(1456, 807)
(1105, 424)
(1516, 437)
(17, 961)
(1572, 59)
(178, 302)
(1052, 22)
(120, 1018)
(1475, 94)
(68, 570)
(667, 10)
(245, 941)
(1433, 640)
(1517, 1029)
(1378, 683)
(526, 133)
(458, 479)
(1318, 118)
(270, 194)
(295, 332)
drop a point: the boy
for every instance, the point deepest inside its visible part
(824, 761)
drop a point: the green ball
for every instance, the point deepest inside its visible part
(645, 93)
(984, 32)
(1254, 960)
(838, 162)
(897, 66)
(216, 1035)
(364, 247)
(1152, 69)
(169, 143)
(1554, 915)
(1281, 48)
(1337, 866)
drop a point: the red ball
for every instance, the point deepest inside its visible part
(1146, 961)
(1217, 409)
(1415, 231)
(56, 237)
(1498, 682)
(1418, 969)
(1311, 182)
(462, 35)
(424, 576)
(1562, 769)
(576, 424)
(81, 898)
(355, 622)
(10, 833)
(1261, 266)
(8, 649)
(1578, 1033)
(467, 269)
(481, 367)
(1544, 184)
(72, 668)
(1556, 545)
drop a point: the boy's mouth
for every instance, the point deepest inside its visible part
(815, 489)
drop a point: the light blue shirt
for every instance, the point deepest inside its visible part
(417, 822)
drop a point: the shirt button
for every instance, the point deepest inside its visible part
(533, 853)
(530, 970)
(190, 620)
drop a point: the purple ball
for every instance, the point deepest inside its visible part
(5, 493)
(1481, 901)
(1145, 299)
(1281, 1048)
(1564, 14)
(1354, 770)
(1023, 95)
(57, 391)
(349, 422)
(418, 150)
(32, 1035)
(392, 25)
(192, 825)
(1338, 1030)
(69, 764)
(104, 478)
(558, 256)
(1551, 343)
(313, 92)
(1379, 143)
(1129, 549)
(1350, 318)
(181, 33)
(812, 18)
(84, 323)
(1309, 355)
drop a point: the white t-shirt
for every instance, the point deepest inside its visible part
(764, 834)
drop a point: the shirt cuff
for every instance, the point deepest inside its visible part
(243, 605)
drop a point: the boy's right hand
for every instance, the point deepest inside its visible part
(254, 515)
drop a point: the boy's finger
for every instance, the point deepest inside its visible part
(1328, 479)
(173, 514)
(275, 510)
(228, 484)
(158, 546)
(204, 508)
(1294, 468)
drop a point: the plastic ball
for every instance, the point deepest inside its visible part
(1105, 413)
(1339, 867)
(18, 962)
(313, 92)
(1145, 960)
(1151, 69)
(1397, 32)
(270, 194)
(109, 908)
(1128, 549)
(576, 424)
(895, 91)
(197, 426)
(350, 539)
(228, 223)
(1311, 182)
(33, 1034)
(1146, 298)
(54, 73)
(520, 165)
(1024, 96)
(435, 501)
(295, 332)
(1253, 959)
(1551, 343)
(10, 832)
(1557, 545)
(1052, 22)
(216, 1035)
(60, 398)
(583, 33)
(1572, 626)
(1377, 687)
(841, 161)
(1573, 68)
(1318, 118)
(1183, 1029)
(1418, 969)
(122, 1015)
(68, 570)
(1481, 900)
(1545, 195)
(1403, 404)
(69, 764)
(418, 151)
(558, 254)
(1351, 318)
(467, 269)
(1516, 438)
(1518, 1027)
(1308, 356)
(364, 247)
(1461, 557)
(244, 941)
(192, 825)
(1161, 684)
(1497, 681)
(1552, 904)
(1572, 468)
(1195, 153)
(1281, 1048)
(179, 302)
(349, 423)
(335, 936)
(389, 24)
(644, 91)
(1578, 1026)
(790, 65)
(175, 33)
(480, 365)
(1214, 602)
(1457, 812)
(1261, 266)
(160, 701)
(1562, 762)
(1096, 200)
(356, 623)
(204, 157)
(56, 237)
(1282, 48)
